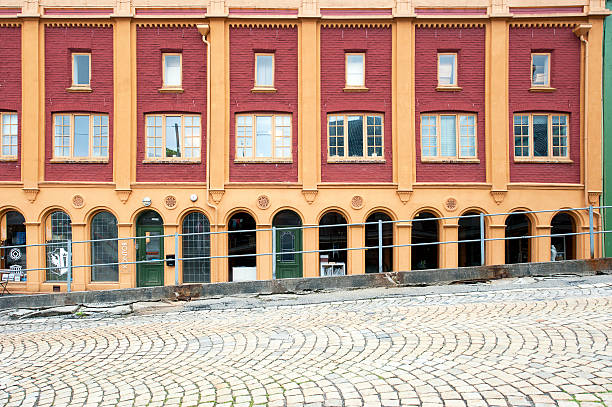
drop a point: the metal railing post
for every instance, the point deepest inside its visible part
(176, 259)
(69, 277)
(482, 239)
(380, 249)
(274, 252)
(591, 232)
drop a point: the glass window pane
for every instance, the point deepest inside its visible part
(81, 70)
(355, 136)
(263, 141)
(539, 69)
(354, 70)
(446, 69)
(265, 70)
(448, 138)
(196, 244)
(172, 70)
(104, 226)
(81, 136)
(540, 136)
(173, 136)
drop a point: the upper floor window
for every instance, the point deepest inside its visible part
(355, 70)
(172, 74)
(447, 69)
(8, 135)
(263, 137)
(357, 136)
(541, 135)
(173, 136)
(540, 69)
(80, 136)
(264, 70)
(448, 136)
(81, 70)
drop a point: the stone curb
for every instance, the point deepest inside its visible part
(305, 285)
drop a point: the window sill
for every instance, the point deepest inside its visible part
(170, 90)
(544, 160)
(449, 88)
(263, 89)
(450, 160)
(356, 89)
(542, 89)
(77, 89)
(171, 161)
(356, 161)
(79, 161)
(261, 161)
(8, 159)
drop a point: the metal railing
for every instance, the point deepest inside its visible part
(482, 239)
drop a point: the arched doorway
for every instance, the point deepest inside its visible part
(563, 247)
(371, 239)
(288, 240)
(196, 243)
(518, 249)
(424, 231)
(469, 229)
(58, 231)
(334, 240)
(242, 268)
(150, 247)
(104, 226)
(13, 234)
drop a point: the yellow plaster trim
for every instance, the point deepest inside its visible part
(3, 25)
(543, 25)
(353, 24)
(257, 24)
(450, 25)
(165, 25)
(78, 24)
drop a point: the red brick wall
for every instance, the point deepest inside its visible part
(565, 77)
(151, 42)
(469, 44)
(60, 42)
(10, 92)
(244, 42)
(377, 45)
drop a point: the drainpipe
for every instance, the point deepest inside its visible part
(580, 32)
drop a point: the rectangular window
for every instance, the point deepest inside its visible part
(539, 136)
(80, 136)
(173, 136)
(264, 70)
(172, 70)
(540, 70)
(448, 136)
(81, 70)
(447, 69)
(263, 137)
(355, 70)
(355, 136)
(8, 135)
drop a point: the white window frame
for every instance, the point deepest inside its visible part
(260, 85)
(550, 157)
(451, 85)
(92, 138)
(458, 156)
(8, 157)
(547, 84)
(364, 156)
(253, 138)
(346, 65)
(74, 73)
(164, 84)
(163, 157)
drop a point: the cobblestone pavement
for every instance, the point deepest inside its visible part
(523, 346)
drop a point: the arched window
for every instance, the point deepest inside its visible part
(469, 229)
(371, 239)
(563, 247)
(58, 230)
(425, 231)
(241, 243)
(13, 234)
(104, 226)
(334, 241)
(196, 243)
(518, 248)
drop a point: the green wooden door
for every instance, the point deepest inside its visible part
(150, 248)
(288, 265)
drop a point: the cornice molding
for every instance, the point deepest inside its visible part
(165, 25)
(449, 25)
(77, 24)
(535, 24)
(353, 24)
(4, 25)
(262, 24)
